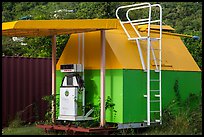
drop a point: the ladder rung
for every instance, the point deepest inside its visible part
(154, 39)
(156, 59)
(154, 90)
(157, 120)
(155, 49)
(145, 70)
(154, 100)
(156, 70)
(145, 96)
(157, 95)
(151, 121)
(154, 80)
(138, 38)
(154, 111)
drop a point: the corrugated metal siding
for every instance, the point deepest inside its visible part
(24, 82)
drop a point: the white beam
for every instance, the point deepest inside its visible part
(103, 59)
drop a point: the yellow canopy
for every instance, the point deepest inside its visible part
(55, 27)
(121, 53)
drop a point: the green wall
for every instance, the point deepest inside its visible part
(114, 88)
(127, 88)
(135, 87)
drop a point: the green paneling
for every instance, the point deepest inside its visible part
(188, 82)
(134, 91)
(59, 77)
(127, 89)
(135, 88)
(114, 88)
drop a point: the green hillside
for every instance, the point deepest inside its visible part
(185, 17)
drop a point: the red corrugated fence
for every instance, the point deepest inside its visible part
(24, 82)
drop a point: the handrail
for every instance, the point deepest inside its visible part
(127, 13)
(139, 21)
(128, 6)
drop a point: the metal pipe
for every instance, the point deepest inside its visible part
(128, 6)
(83, 65)
(148, 69)
(79, 48)
(160, 56)
(53, 77)
(102, 122)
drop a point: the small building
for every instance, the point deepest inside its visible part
(125, 78)
(135, 83)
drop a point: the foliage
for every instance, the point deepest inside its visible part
(17, 122)
(49, 99)
(108, 105)
(187, 120)
(185, 17)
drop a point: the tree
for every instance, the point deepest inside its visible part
(185, 17)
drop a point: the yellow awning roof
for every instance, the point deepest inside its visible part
(55, 27)
(155, 27)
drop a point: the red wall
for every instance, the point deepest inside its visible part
(24, 82)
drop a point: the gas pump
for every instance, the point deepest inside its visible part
(72, 94)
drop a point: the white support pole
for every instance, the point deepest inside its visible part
(82, 39)
(160, 57)
(148, 82)
(83, 73)
(79, 48)
(148, 69)
(53, 77)
(102, 123)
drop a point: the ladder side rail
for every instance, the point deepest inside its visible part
(148, 82)
(148, 70)
(141, 55)
(160, 16)
(160, 57)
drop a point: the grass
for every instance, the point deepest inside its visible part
(185, 120)
(23, 130)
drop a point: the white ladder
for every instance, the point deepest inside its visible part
(154, 115)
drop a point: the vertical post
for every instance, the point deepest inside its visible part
(102, 123)
(83, 104)
(148, 81)
(79, 48)
(148, 69)
(53, 77)
(160, 57)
